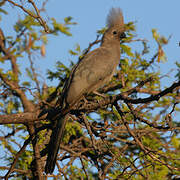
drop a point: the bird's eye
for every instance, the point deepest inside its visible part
(114, 32)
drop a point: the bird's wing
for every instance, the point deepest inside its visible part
(91, 73)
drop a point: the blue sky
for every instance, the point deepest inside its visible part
(91, 16)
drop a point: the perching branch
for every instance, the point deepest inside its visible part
(92, 106)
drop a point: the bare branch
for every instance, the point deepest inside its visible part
(20, 118)
(11, 169)
(36, 165)
(37, 16)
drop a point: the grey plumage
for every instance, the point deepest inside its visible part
(115, 18)
(91, 73)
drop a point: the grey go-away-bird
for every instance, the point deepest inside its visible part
(91, 73)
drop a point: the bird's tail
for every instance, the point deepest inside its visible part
(54, 144)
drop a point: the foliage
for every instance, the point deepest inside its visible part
(123, 139)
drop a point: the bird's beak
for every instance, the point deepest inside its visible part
(122, 35)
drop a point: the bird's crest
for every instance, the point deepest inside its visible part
(115, 18)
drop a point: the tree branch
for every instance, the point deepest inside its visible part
(30, 117)
(28, 105)
(36, 164)
(124, 97)
(13, 84)
(37, 16)
(20, 118)
(11, 169)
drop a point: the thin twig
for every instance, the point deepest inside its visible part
(11, 169)
(37, 16)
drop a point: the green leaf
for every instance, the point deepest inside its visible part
(44, 39)
(102, 31)
(26, 84)
(78, 48)
(29, 73)
(156, 36)
(175, 142)
(73, 52)
(127, 50)
(27, 22)
(61, 27)
(10, 107)
(67, 19)
(64, 29)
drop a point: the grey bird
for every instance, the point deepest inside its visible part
(89, 74)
